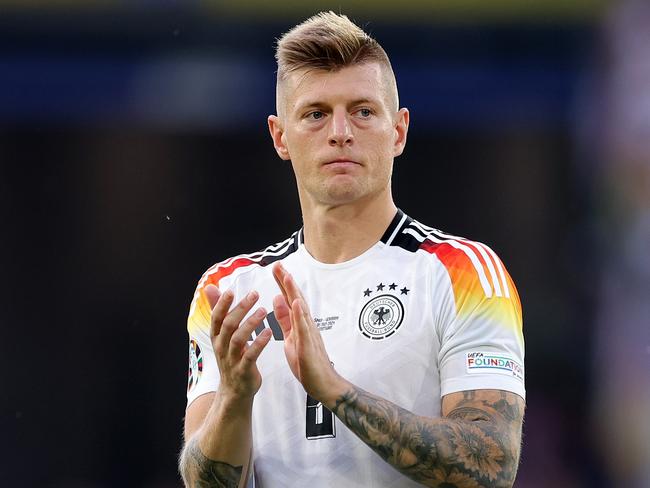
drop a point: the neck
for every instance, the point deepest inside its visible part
(338, 233)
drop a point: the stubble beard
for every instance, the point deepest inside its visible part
(338, 190)
(341, 192)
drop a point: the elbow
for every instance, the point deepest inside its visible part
(501, 472)
(475, 458)
(186, 464)
(183, 468)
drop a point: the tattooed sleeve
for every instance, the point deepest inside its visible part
(476, 444)
(200, 472)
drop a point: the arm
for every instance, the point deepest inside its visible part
(218, 426)
(476, 443)
(218, 440)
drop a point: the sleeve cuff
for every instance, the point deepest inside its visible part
(483, 382)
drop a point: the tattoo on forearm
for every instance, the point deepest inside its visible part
(206, 473)
(476, 445)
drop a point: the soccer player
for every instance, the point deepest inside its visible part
(367, 349)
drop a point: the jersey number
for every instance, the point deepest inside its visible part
(320, 420)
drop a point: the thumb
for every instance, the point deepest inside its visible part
(282, 314)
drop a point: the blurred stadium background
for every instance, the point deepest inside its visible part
(134, 154)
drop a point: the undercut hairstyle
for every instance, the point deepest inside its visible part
(329, 42)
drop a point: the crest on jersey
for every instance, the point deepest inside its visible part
(196, 365)
(381, 317)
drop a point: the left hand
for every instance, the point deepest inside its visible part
(303, 344)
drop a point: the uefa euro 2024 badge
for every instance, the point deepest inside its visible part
(196, 365)
(383, 314)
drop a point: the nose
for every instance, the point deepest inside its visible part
(340, 129)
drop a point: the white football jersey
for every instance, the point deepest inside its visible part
(419, 315)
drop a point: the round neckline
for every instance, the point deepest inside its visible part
(367, 254)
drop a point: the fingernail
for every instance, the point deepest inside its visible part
(260, 312)
(252, 296)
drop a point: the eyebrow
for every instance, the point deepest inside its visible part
(315, 103)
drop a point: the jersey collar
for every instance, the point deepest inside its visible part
(393, 228)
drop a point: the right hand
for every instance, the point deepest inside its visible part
(237, 360)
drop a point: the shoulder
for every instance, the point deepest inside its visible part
(243, 263)
(223, 273)
(468, 264)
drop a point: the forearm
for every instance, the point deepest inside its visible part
(217, 455)
(468, 450)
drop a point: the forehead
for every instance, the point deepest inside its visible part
(364, 81)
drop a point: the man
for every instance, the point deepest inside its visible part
(385, 335)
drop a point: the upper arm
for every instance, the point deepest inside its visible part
(196, 413)
(203, 371)
(480, 323)
(501, 414)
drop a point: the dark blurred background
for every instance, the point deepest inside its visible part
(134, 154)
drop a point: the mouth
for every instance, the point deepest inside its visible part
(342, 163)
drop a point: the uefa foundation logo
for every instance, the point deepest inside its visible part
(381, 317)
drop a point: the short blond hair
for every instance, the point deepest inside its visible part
(328, 41)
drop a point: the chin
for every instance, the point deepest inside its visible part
(342, 193)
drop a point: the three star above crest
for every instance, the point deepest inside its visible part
(380, 288)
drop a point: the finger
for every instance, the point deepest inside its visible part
(219, 312)
(279, 274)
(255, 349)
(283, 277)
(282, 314)
(233, 319)
(298, 319)
(212, 293)
(294, 292)
(243, 333)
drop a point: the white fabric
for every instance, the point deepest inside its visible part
(424, 359)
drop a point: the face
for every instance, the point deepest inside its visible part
(341, 132)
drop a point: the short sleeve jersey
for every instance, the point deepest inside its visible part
(419, 315)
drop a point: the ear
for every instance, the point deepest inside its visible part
(277, 134)
(401, 130)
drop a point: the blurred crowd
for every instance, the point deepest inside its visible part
(619, 147)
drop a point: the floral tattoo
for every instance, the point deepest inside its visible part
(475, 445)
(208, 473)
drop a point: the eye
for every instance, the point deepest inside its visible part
(364, 112)
(315, 115)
